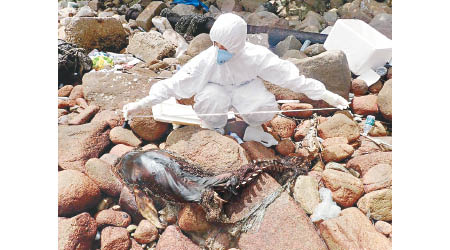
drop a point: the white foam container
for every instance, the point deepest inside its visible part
(365, 48)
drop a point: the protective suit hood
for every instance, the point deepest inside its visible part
(230, 30)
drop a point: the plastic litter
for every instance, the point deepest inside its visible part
(381, 71)
(102, 60)
(235, 136)
(370, 121)
(196, 3)
(365, 47)
(172, 112)
(259, 135)
(327, 208)
(305, 45)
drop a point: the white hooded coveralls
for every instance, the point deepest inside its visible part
(237, 82)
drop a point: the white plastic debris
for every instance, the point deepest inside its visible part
(172, 112)
(327, 208)
(258, 134)
(366, 48)
(287, 101)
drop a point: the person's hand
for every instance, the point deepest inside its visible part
(335, 100)
(130, 109)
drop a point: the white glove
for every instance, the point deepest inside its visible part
(134, 107)
(335, 100)
(258, 134)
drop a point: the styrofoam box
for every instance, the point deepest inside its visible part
(364, 47)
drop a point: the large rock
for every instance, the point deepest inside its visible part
(102, 174)
(150, 46)
(76, 193)
(112, 90)
(337, 152)
(352, 230)
(365, 105)
(173, 238)
(265, 18)
(212, 151)
(363, 163)
(331, 68)
(77, 232)
(104, 34)
(339, 125)
(385, 100)
(306, 192)
(119, 135)
(383, 23)
(289, 229)
(377, 204)
(115, 238)
(378, 177)
(144, 20)
(79, 143)
(200, 43)
(288, 43)
(346, 189)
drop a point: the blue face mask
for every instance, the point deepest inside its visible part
(223, 56)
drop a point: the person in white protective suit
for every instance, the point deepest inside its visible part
(228, 74)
